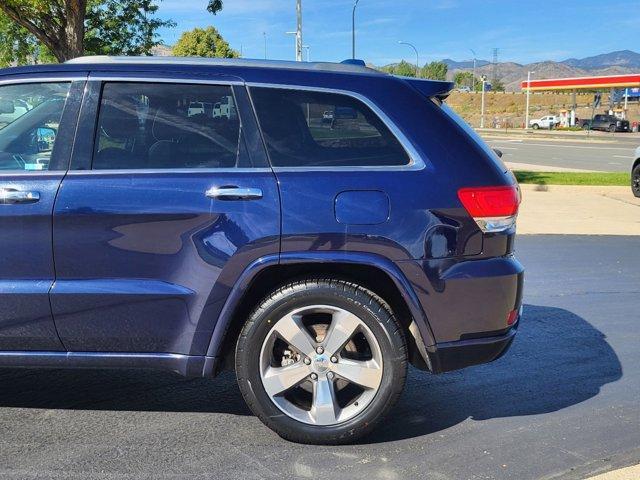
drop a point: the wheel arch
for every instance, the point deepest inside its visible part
(371, 271)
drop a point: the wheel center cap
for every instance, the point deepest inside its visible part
(321, 363)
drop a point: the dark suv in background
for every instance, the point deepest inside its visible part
(315, 258)
(607, 123)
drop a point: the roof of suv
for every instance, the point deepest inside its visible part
(260, 71)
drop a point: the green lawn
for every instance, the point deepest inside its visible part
(573, 178)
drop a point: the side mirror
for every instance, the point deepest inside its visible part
(498, 152)
(7, 106)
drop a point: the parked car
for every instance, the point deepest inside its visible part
(635, 174)
(328, 116)
(548, 121)
(315, 263)
(607, 123)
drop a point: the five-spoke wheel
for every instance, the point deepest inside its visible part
(321, 361)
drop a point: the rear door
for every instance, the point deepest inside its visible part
(161, 211)
(37, 124)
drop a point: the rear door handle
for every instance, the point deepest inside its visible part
(11, 196)
(234, 193)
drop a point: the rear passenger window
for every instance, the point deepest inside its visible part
(317, 129)
(168, 126)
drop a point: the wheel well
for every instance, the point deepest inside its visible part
(636, 163)
(366, 276)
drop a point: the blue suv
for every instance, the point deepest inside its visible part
(313, 226)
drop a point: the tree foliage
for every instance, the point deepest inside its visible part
(404, 69)
(203, 42)
(57, 24)
(463, 79)
(435, 71)
(214, 6)
(64, 29)
(497, 85)
(117, 27)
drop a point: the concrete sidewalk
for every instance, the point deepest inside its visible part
(629, 473)
(578, 210)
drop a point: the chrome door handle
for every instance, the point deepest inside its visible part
(234, 193)
(11, 196)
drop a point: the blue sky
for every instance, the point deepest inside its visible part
(524, 31)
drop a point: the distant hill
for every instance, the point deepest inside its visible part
(453, 65)
(511, 74)
(622, 58)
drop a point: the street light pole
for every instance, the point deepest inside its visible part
(484, 81)
(473, 75)
(526, 116)
(353, 30)
(417, 57)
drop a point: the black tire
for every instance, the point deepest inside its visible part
(535, 126)
(585, 126)
(612, 128)
(635, 180)
(370, 308)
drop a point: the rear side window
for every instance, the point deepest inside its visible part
(317, 129)
(168, 126)
(29, 122)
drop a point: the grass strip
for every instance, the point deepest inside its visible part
(574, 178)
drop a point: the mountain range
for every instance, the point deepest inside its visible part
(511, 73)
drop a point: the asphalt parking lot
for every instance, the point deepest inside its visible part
(564, 403)
(602, 152)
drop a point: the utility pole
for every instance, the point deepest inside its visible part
(299, 31)
(526, 115)
(484, 82)
(417, 57)
(308, 49)
(353, 30)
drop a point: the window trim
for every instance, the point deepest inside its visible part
(100, 79)
(415, 159)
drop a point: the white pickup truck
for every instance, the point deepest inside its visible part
(549, 121)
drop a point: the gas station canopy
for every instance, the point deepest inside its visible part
(584, 83)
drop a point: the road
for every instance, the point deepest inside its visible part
(564, 403)
(612, 155)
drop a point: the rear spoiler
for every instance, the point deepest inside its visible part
(431, 88)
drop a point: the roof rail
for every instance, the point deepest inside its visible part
(226, 62)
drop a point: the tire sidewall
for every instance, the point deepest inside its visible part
(250, 346)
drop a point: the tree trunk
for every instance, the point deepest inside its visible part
(74, 29)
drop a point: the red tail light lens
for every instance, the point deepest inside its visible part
(490, 201)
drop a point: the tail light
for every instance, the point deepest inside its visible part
(494, 209)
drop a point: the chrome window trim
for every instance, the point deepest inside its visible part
(30, 80)
(137, 79)
(172, 171)
(415, 159)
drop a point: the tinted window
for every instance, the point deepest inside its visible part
(315, 129)
(168, 126)
(29, 122)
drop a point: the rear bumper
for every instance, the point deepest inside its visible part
(449, 356)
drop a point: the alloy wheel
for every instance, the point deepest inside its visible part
(321, 365)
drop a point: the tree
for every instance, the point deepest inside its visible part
(435, 71)
(58, 24)
(404, 69)
(70, 28)
(205, 42)
(497, 85)
(463, 79)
